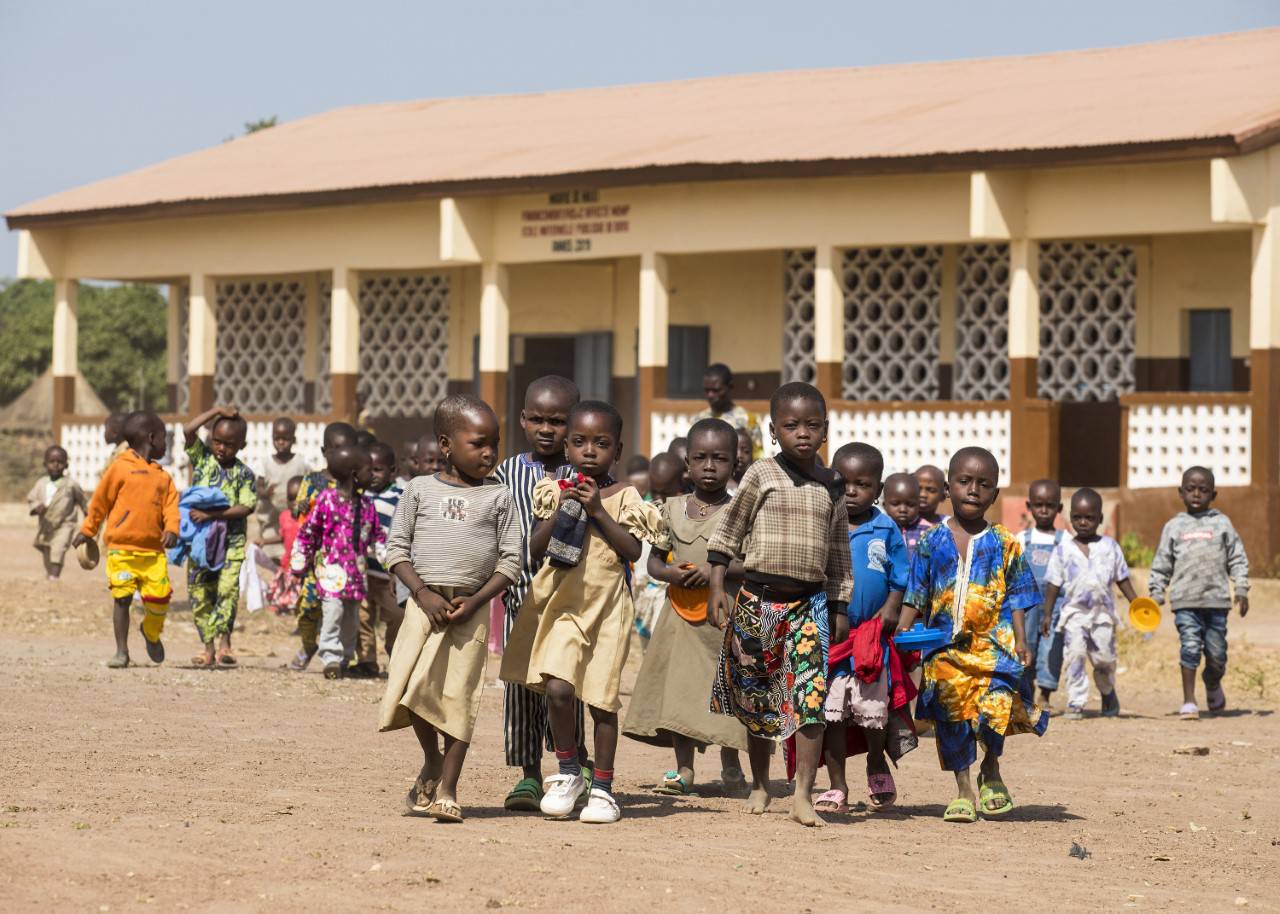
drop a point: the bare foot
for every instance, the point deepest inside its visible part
(757, 802)
(802, 811)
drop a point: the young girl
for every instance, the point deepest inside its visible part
(971, 581)
(933, 492)
(455, 543)
(669, 704)
(284, 589)
(788, 517)
(861, 686)
(571, 637)
(333, 542)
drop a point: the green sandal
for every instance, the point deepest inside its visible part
(673, 785)
(960, 810)
(994, 790)
(526, 796)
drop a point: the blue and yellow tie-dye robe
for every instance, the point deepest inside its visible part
(976, 677)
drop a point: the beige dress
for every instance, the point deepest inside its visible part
(673, 691)
(576, 622)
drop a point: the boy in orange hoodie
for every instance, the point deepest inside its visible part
(139, 503)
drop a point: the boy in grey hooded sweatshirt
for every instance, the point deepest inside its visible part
(1199, 561)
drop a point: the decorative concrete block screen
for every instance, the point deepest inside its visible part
(260, 346)
(798, 358)
(404, 343)
(982, 322)
(1088, 294)
(911, 437)
(184, 348)
(891, 303)
(1166, 439)
(324, 319)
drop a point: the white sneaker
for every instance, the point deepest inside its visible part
(601, 808)
(562, 792)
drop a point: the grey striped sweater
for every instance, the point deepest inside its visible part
(1198, 556)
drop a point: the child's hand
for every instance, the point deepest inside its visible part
(435, 606)
(1046, 621)
(589, 495)
(718, 608)
(78, 540)
(38, 510)
(1242, 604)
(170, 539)
(199, 517)
(694, 576)
(228, 412)
(1024, 655)
(839, 626)
(463, 609)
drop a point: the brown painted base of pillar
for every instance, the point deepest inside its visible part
(309, 397)
(64, 402)
(651, 384)
(171, 397)
(829, 379)
(342, 397)
(1033, 427)
(200, 395)
(1264, 372)
(493, 390)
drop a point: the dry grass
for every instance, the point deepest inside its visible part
(1252, 671)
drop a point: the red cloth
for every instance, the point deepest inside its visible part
(868, 651)
(288, 533)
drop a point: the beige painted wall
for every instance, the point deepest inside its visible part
(1191, 272)
(740, 297)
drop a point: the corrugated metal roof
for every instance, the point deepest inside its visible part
(1211, 95)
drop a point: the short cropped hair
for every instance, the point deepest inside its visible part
(454, 410)
(286, 423)
(54, 448)
(235, 421)
(637, 463)
(380, 449)
(863, 453)
(338, 433)
(1204, 471)
(1090, 495)
(793, 391)
(719, 370)
(598, 408)
(138, 425)
(559, 387)
(714, 428)
(973, 452)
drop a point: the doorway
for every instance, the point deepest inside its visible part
(586, 358)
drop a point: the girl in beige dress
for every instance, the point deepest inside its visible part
(670, 703)
(573, 631)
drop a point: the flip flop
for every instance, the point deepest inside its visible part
(960, 810)
(227, 660)
(202, 662)
(673, 786)
(422, 789)
(993, 790)
(445, 811)
(526, 796)
(1189, 711)
(832, 801)
(880, 785)
(1217, 700)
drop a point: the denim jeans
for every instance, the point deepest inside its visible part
(1047, 651)
(1203, 632)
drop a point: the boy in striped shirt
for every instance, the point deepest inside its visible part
(382, 600)
(545, 420)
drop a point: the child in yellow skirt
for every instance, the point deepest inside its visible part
(669, 701)
(572, 635)
(455, 543)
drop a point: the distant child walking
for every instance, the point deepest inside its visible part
(860, 680)
(902, 504)
(333, 542)
(789, 523)
(933, 492)
(273, 479)
(455, 544)
(544, 419)
(139, 504)
(574, 629)
(58, 503)
(669, 700)
(282, 592)
(970, 581)
(1084, 570)
(1044, 504)
(215, 595)
(1199, 562)
(382, 603)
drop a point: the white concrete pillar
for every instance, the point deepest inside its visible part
(495, 319)
(344, 342)
(173, 344)
(1024, 299)
(202, 337)
(65, 327)
(310, 340)
(652, 356)
(828, 322)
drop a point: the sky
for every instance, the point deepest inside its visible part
(91, 89)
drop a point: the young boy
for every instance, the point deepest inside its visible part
(638, 474)
(746, 456)
(381, 602)
(430, 460)
(666, 476)
(408, 465)
(215, 595)
(544, 419)
(717, 387)
(273, 478)
(969, 689)
(789, 523)
(1084, 570)
(139, 503)
(333, 543)
(933, 492)
(902, 504)
(335, 435)
(113, 434)
(57, 502)
(1199, 554)
(1044, 504)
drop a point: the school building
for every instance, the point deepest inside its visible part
(1072, 259)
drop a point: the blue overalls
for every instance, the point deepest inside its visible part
(1047, 651)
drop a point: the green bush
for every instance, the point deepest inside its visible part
(1136, 553)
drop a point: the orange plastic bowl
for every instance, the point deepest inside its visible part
(1144, 614)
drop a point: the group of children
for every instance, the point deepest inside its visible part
(782, 583)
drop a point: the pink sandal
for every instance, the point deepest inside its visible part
(832, 801)
(881, 785)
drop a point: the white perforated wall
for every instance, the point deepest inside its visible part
(913, 437)
(981, 370)
(1166, 439)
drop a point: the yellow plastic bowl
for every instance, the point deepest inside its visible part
(1144, 614)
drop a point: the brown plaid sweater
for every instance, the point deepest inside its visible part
(787, 525)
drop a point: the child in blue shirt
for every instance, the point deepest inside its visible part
(1044, 504)
(880, 567)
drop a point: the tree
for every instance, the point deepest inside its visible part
(261, 123)
(26, 334)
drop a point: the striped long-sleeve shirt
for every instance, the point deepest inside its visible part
(520, 474)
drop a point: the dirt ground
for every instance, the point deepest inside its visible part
(258, 789)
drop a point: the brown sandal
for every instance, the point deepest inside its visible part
(202, 662)
(227, 660)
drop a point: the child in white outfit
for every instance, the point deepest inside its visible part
(1084, 569)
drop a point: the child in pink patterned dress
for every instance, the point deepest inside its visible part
(337, 535)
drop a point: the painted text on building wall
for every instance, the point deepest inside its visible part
(572, 217)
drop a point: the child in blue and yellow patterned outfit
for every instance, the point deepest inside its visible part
(970, 580)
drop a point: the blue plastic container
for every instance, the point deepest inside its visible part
(919, 638)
